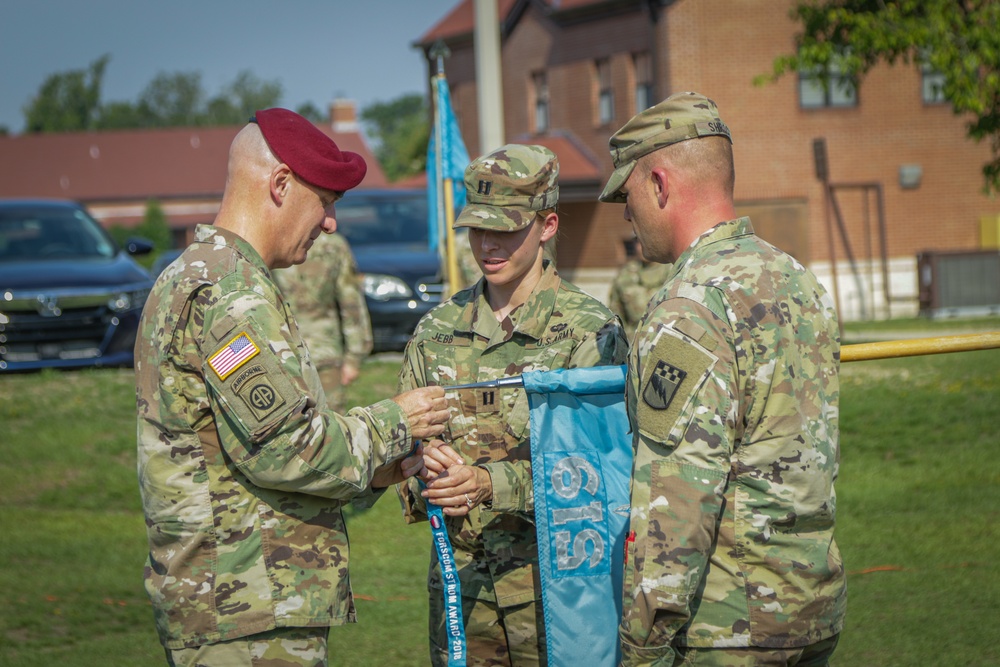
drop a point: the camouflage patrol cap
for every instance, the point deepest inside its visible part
(506, 188)
(680, 117)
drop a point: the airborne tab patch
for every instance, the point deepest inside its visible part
(662, 385)
(233, 355)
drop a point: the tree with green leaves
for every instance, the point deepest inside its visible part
(960, 39)
(154, 228)
(71, 101)
(400, 130)
(311, 111)
(68, 101)
(240, 99)
(172, 100)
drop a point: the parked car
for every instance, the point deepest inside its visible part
(388, 233)
(69, 295)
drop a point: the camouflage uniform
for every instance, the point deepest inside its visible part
(330, 310)
(284, 647)
(732, 395)
(243, 470)
(632, 287)
(461, 341)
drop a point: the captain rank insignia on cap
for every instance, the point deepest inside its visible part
(662, 385)
(233, 355)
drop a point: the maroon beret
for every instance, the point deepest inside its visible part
(313, 156)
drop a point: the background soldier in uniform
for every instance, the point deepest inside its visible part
(242, 467)
(330, 309)
(520, 316)
(733, 398)
(634, 284)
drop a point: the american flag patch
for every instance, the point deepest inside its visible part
(232, 356)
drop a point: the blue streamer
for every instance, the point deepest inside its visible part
(454, 623)
(581, 463)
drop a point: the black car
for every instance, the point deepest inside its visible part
(388, 233)
(69, 295)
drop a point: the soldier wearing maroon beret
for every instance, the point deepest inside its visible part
(243, 468)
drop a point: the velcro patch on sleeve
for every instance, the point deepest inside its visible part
(674, 371)
(232, 355)
(258, 391)
(251, 386)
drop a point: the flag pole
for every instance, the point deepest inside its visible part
(438, 52)
(445, 173)
(449, 212)
(444, 183)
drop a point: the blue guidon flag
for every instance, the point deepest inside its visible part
(581, 462)
(581, 467)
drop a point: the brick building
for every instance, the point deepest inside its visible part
(899, 161)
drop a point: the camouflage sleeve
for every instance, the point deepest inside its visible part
(266, 415)
(411, 377)
(513, 490)
(683, 390)
(355, 324)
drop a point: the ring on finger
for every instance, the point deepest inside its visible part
(468, 500)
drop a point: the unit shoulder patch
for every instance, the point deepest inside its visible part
(674, 371)
(662, 385)
(251, 385)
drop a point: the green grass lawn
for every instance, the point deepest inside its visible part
(918, 510)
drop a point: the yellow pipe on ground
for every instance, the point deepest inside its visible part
(918, 346)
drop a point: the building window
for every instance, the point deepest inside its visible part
(605, 95)
(540, 91)
(840, 89)
(931, 85)
(642, 65)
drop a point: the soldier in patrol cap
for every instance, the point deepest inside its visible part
(243, 469)
(733, 399)
(520, 315)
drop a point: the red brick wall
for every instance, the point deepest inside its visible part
(717, 47)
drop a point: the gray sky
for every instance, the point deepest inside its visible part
(316, 49)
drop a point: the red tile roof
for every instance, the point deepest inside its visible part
(461, 19)
(134, 164)
(576, 164)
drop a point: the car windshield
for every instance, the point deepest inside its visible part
(367, 220)
(39, 233)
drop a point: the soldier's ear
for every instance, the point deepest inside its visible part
(280, 183)
(660, 181)
(550, 225)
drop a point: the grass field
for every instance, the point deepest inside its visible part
(918, 510)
